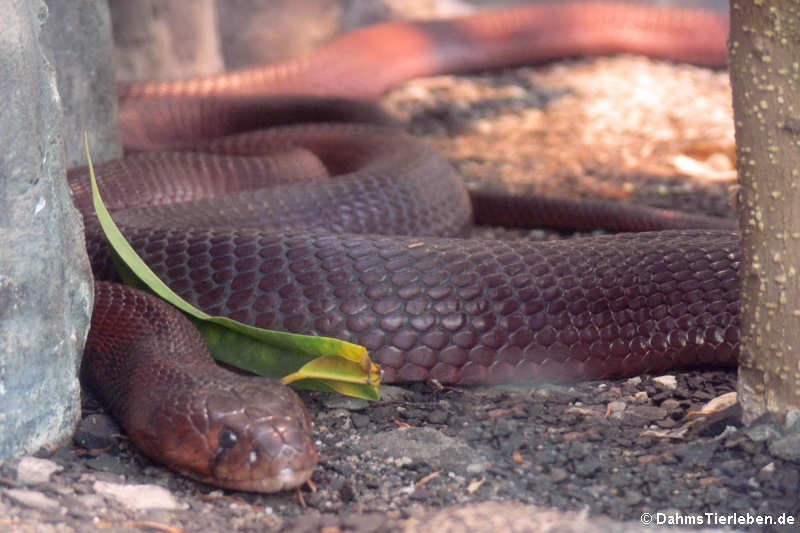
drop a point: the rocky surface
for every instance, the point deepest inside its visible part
(481, 458)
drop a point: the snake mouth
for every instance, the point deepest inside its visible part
(286, 478)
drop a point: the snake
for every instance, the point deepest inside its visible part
(269, 196)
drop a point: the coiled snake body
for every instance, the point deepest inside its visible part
(351, 239)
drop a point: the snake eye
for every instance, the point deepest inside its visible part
(227, 438)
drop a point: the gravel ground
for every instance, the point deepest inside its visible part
(516, 458)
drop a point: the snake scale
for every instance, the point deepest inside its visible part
(351, 230)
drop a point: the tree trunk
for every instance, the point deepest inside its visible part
(765, 76)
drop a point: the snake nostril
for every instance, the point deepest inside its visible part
(227, 438)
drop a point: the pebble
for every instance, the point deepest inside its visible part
(139, 496)
(91, 501)
(31, 499)
(475, 468)
(642, 414)
(421, 445)
(666, 382)
(438, 417)
(615, 409)
(762, 432)
(787, 447)
(35, 471)
(670, 404)
(365, 522)
(107, 465)
(392, 393)
(96, 432)
(632, 498)
(558, 474)
(338, 401)
(588, 467)
(359, 420)
(792, 422)
(732, 467)
(347, 493)
(697, 454)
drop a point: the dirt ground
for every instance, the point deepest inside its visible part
(500, 458)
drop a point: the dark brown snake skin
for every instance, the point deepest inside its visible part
(317, 252)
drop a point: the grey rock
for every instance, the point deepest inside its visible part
(698, 454)
(78, 36)
(359, 420)
(632, 498)
(96, 432)
(475, 468)
(767, 470)
(32, 499)
(588, 467)
(762, 432)
(34, 471)
(139, 496)
(90, 501)
(107, 465)
(792, 422)
(338, 401)
(787, 447)
(391, 393)
(616, 410)
(45, 284)
(76, 507)
(732, 467)
(421, 445)
(666, 382)
(558, 475)
(643, 414)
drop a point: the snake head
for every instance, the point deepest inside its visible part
(232, 431)
(260, 437)
(152, 368)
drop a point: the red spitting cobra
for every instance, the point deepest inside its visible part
(350, 230)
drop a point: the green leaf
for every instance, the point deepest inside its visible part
(314, 375)
(320, 363)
